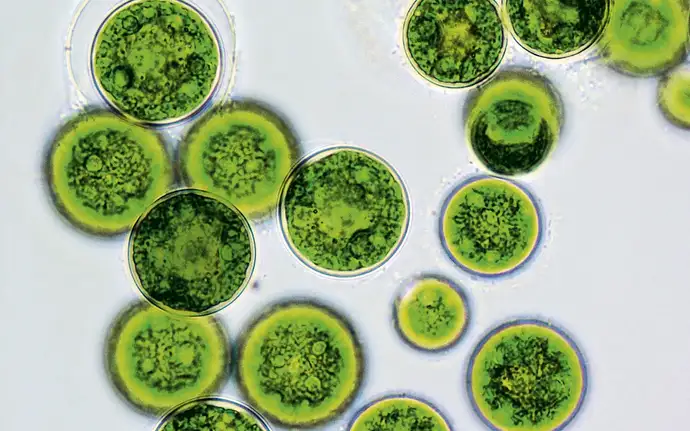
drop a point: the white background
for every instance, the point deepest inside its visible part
(613, 272)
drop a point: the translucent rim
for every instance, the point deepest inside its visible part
(402, 397)
(217, 401)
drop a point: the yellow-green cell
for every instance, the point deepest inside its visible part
(104, 172)
(432, 314)
(646, 37)
(513, 123)
(157, 360)
(490, 226)
(674, 97)
(242, 152)
(399, 414)
(300, 364)
(156, 61)
(526, 375)
(211, 413)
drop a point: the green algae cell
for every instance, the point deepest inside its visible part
(526, 375)
(242, 152)
(156, 61)
(191, 253)
(647, 37)
(454, 44)
(300, 364)
(212, 413)
(104, 172)
(513, 123)
(157, 360)
(399, 413)
(490, 226)
(344, 211)
(674, 97)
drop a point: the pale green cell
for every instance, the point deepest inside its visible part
(674, 97)
(399, 414)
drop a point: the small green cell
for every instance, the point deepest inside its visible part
(674, 97)
(212, 414)
(191, 253)
(455, 43)
(344, 211)
(242, 152)
(432, 314)
(490, 226)
(104, 172)
(157, 360)
(300, 364)
(156, 61)
(526, 375)
(646, 37)
(399, 414)
(513, 123)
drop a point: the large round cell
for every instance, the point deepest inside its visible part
(344, 211)
(191, 253)
(399, 413)
(454, 44)
(156, 61)
(647, 37)
(212, 413)
(674, 97)
(157, 360)
(526, 375)
(242, 152)
(104, 172)
(300, 364)
(490, 226)
(513, 123)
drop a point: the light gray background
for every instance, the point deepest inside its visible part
(613, 272)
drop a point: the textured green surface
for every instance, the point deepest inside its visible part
(211, 416)
(399, 414)
(674, 97)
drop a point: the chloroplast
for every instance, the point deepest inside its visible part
(674, 97)
(212, 413)
(399, 413)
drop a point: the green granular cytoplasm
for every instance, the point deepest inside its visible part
(156, 60)
(513, 123)
(399, 414)
(300, 364)
(344, 211)
(242, 152)
(454, 43)
(157, 360)
(674, 97)
(646, 37)
(526, 376)
(191, 253)
(104, 172)
(490, 226)
(211, 414)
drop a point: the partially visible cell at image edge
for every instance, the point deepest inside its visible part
(399, 413)
(213, 413)
(674, 96)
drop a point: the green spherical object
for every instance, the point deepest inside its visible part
(674, 97)
(399, 413)
(156, 61)
(104, 172)
(157, 360)
(212, 414)
(300, 364)
(191, 253)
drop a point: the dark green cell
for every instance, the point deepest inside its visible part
(399, 414)
(455, 43)
(191, 253)
(674, 97)
(212, 414)
(344, 211)
(156, 61)
(104, 172)
(300, 364)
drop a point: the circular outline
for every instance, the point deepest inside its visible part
(397, 396)
(217, 401)
(684, 69)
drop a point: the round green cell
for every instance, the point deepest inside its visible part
(156, 61)
(399, 413)
(526, 375)
(300, 364)
(490, 226)
(344, 211)
(242, 152)
(104, 172)
(646, 37)
(674, 97)
(431, 314)
(454, 43)
(157, 360)
(513, 123)
(217, 414)
(191, 253)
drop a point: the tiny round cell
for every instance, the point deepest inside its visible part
(104, 172)
(213, 413)
(454, 44)
(191, 253)
(344, 211)
(513, 123)
(157, 360)
(300, 364)
(526, 375)
(156, 61)
(674, 97)
(431, 314)
(490, 226)
(242, 152)
(399, 413)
